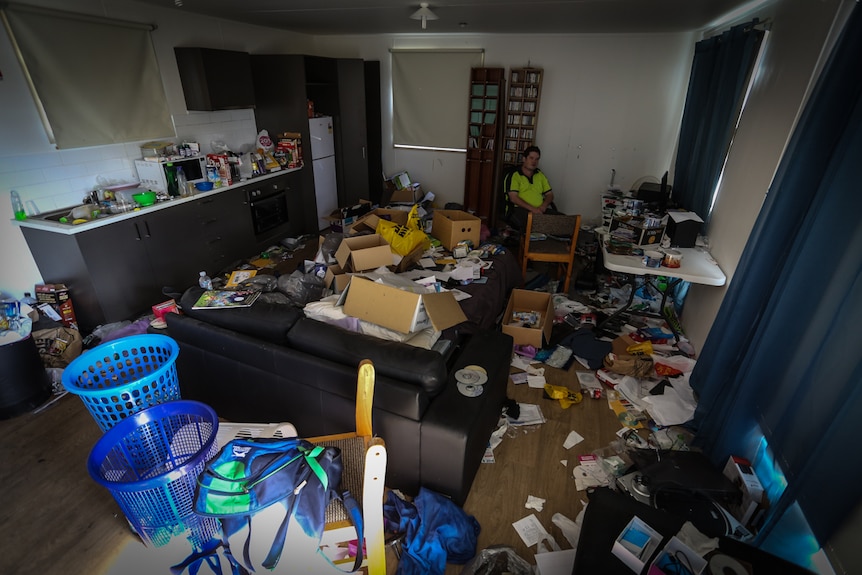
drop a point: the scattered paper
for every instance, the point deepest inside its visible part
(530, 414)
(518, 378)
(488, 457)
(536, 381)
(565, 462)
(536, 503)
(427, 263)
(530, 530)
(573, 439)
(556, 562)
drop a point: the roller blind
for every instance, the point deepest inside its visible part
(96, 81)
(430, 93)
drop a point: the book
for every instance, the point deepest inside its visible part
(239, 276)
(226, 299)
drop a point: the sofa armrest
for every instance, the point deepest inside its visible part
(400, 361)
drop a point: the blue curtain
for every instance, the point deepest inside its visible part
(781, 365)
(719, 75)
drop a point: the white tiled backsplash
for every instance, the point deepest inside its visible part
(62, 178)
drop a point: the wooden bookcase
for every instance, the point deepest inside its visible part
(522, 113)
(487, 94)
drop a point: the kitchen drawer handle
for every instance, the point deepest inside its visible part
(212, 221)
(208, 201)
(212, 241)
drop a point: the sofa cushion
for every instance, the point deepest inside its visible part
(393, 359)
(267, 321)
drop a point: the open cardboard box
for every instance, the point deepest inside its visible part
(342, 219)
(401, 310)
(363, 253)
(368, 222)
(453, 226)
(336, 278)
(530, 301)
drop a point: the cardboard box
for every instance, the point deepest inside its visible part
(631, 231)
(668, 559)
(58, 302)
(529, 301)
(453, 226)
(739, 470)
(336, 278)
(636, 544)
(362, 253)
(401, 310)
(342, 219)
(682, 228)
(368, 222)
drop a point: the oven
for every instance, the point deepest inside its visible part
(268, 204)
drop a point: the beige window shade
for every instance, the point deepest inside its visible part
(430, 97)
(96, 81)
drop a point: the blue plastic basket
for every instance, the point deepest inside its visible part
(124, 376)
(150, 462)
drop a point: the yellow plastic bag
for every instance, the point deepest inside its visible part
(403, 239)
(566, 396)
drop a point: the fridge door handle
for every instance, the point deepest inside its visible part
(363, 152)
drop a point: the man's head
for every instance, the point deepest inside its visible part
(531, 158)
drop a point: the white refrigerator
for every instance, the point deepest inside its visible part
(323, 166)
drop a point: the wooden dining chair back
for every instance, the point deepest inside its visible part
(551, 238)
(364, 474)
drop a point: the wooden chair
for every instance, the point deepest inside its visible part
(558, 246)
(364, 458)
(364, 473)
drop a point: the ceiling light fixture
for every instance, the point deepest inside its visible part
(424, 14)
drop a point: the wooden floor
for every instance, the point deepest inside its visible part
(55, 519)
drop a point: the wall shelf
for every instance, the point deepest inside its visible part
(522, 113)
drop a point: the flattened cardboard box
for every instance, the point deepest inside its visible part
(368, 222)
(363, 253)
(527, 300)
(453, 226)
(401, 310)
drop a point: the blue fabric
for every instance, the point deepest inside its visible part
(436, 532)
(719, 75)
(780, 364)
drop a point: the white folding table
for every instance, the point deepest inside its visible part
(697, 266)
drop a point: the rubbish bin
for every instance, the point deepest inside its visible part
(24, 383)
(119, 378)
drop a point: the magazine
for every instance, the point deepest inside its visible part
(216, 299)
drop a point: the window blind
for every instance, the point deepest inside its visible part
(96, 81)
(430, 94)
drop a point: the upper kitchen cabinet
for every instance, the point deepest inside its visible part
(215, 79)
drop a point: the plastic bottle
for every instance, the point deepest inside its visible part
(171, 174)
(182, 182)
(18, 206)
(205, 281)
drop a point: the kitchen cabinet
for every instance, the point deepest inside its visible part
(337, 87)
(117, 271)
(215, 79)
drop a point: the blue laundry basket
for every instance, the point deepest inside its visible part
(124, 376)
(150, 462)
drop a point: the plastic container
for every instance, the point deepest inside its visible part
(205, 281)
(18, 206)
(150, 463)
(182, 183)
(122, 377)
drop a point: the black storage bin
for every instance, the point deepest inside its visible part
(24, 383)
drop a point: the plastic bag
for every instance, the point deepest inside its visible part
(403, 239)
(497, 560)
(301, 288)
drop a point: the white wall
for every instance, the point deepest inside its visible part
(51, 178)
(609, 101)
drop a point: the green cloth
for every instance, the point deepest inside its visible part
(531, 190)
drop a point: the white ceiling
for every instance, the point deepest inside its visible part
(323, 17)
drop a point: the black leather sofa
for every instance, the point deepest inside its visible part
(269, 363)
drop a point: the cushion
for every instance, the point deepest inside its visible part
(264, 320)
(393, 359)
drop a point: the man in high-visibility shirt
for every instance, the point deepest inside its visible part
(529, 190)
